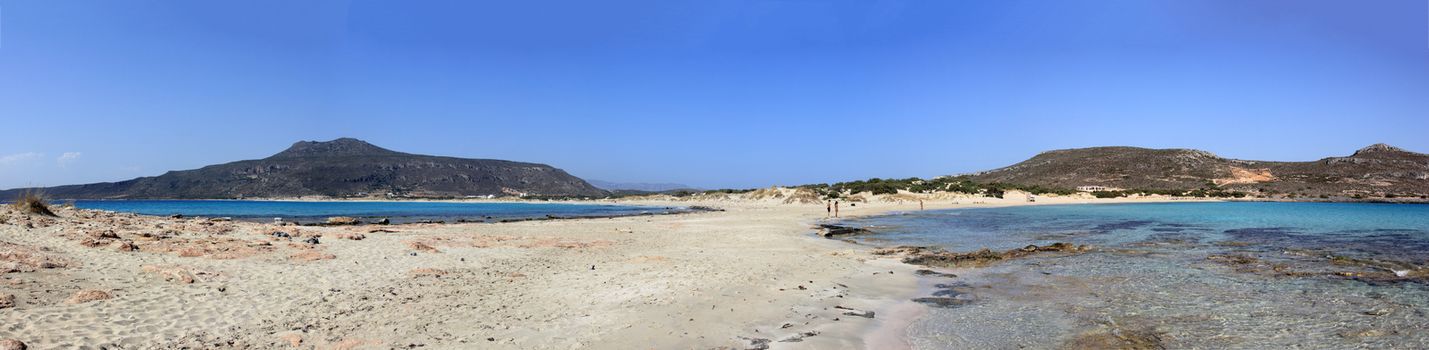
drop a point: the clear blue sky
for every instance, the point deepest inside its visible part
(706, 93)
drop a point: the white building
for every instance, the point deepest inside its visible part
(1094, 188)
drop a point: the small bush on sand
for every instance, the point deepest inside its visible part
(32, 202)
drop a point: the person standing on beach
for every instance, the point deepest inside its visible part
(828, 208)
(836, 208)
(920, 204)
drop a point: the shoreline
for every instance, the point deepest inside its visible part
(754, 272)
(892, 332)
(647, 198)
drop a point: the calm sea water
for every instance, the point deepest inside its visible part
(396, 211)
(1299, 276)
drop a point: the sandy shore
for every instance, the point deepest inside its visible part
(752, 275)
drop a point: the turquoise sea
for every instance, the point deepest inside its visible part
(1236, 275)
(395, 211)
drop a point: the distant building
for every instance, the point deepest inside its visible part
(1094, 188)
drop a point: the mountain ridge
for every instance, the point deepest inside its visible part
(1375, 170)
(343, 167)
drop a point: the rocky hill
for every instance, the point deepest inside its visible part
(341, 168)
(1376, 171)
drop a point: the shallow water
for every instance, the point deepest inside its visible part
(396, 211)
(1179, 275)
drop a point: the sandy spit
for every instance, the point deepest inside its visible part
(752, 275)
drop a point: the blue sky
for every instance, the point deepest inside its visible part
(706, 93)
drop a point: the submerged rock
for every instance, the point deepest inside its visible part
(985, 256)
(830, 231)
(926, 272)
(1323, 264)
(855, 312)
(1116, 337)
(942, 302)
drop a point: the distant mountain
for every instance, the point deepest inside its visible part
(1372, 171)
(343, 167)
(642, 187)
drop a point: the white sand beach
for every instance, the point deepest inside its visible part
(752, 275)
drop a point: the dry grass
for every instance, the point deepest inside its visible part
(32, 202)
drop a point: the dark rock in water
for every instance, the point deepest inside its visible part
(384, 221)
(864, 314)
(831, 231)
(900, 250)
(942, 302)
(855, 312)
(1261, 231)
(311, 240)
(985, 256)
(1129, 336)
(934, 273)
(1124, 225)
